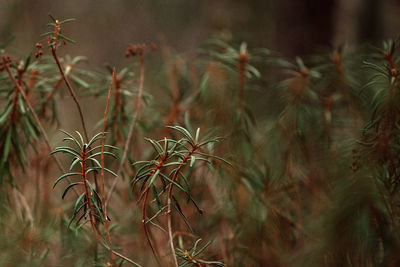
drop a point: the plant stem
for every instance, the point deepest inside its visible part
(87, 193)
(171, 73)
(103, 196)
(144, 221)
(131, 128)
(175, 178)
(242, 61)
(71, 91)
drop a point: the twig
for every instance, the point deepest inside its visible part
(242, 61)
(175, 178)
(103, 196)
(131, 128)
(120, 255)
(71, 91)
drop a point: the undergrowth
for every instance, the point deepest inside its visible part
(189, 169)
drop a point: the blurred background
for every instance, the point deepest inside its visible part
(103, 28)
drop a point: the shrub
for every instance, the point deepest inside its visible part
(309, 178)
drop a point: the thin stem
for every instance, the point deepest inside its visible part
(144, 222)
(87, 193)
(242, 61)
(71, 91)
(131, 128)
(175, 178)
(103, 195)
(171, 72)
(121, 256)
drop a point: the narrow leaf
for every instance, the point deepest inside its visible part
(68, 188)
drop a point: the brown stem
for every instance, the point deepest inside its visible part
(71, 91)
(84, 154)
(175, 178)
(87, 193)
(242, 61)
(117, 106)
(131, 128)
(144, 221)
(103, 196)
(173, 85)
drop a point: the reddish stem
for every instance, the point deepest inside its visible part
(103, 195)
(175, 178)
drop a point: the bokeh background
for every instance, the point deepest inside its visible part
(103, 28)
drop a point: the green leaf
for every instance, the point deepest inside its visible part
(153, 178)
(175, 183)
(183, 131)
(4, 116)
(155, 193)
(110, 171)
(27, 61)
(156, 145)
(65, 150)
(105, 153)
(76, 211)
(189, 188)
(192, 160)
(79, 81)
(203, 248)
(52, 18)
(141, 162)
(77, 202)
(204, 85)
(80, 136)
(194, 248)
(21, 104)
(173, 164)
(46, 34)
(7, 144)
(94, 139)
(85, 214)
(74, 162)
(143, 168)
(99, 146)
(178, 208)
(30, 128)
(216, 157)
(197, 135)
(72, 138)
(68, 188)
(66, 38)
(96, 162)
(67, 20)
(21, 154)
(92, 169)
(99, 211)
(65, 176)
(165, 144)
